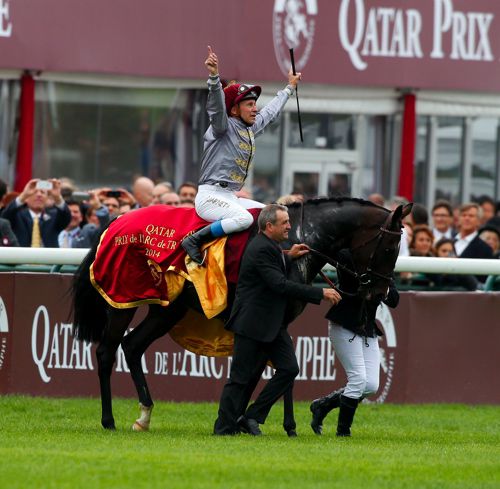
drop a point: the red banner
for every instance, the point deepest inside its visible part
(433, 44)
(438, 347)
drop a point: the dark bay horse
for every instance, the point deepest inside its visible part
(372, 233)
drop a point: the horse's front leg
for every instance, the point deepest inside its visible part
(118, 321)
(158, 322)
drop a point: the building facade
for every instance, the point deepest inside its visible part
(397, 97)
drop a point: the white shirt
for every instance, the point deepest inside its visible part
(439, 235)
(462, 243)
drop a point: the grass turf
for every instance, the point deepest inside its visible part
(48, 443)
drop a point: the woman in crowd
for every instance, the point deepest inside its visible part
(421, 243)
(491, 235)
(445, 249)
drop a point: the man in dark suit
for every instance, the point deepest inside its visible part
(468, 244)
(31, 207)
(257, 320)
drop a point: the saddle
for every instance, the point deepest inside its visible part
(140, 261)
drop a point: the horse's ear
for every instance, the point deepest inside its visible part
(401, 212)
(406, 210)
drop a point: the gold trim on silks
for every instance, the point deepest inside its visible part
(210, 280)
(202, 336)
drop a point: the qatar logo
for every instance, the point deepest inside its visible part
(4, 328)
(294, 23)
(388, 345)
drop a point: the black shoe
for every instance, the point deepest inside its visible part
(193, 243)
(291, 433)
(249, 425)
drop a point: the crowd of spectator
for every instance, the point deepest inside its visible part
(471, 230)
(55, 213)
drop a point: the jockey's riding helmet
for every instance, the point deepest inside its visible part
(236, 93)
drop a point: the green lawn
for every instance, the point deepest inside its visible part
(59, 443)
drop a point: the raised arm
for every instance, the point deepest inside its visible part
(216, 106)
(273, 109)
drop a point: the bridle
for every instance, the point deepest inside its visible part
(365, 279)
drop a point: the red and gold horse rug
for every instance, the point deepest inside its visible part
(140, 261)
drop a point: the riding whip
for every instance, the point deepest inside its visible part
(292, 59)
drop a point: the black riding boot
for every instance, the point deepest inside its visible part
(321, 407)
(346, 415)
(193, 243)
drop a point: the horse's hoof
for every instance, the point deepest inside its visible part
(108, 425)
(139, 427)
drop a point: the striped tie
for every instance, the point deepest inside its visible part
(36, 237)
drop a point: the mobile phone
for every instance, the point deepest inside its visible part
(80, 196)
(44, 185)
(114, 193)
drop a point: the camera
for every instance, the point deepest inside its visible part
(44, 185)
(114, 193)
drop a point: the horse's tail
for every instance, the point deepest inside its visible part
(89, 308)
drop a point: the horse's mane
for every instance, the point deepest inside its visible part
(338, 200)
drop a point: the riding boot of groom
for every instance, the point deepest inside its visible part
(321, 407)
(347, 411)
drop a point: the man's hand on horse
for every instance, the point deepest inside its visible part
(212, 63)
(332, 296)
(297, 250)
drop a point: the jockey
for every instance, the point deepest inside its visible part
(229, 148)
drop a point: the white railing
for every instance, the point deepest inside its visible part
(73, 256)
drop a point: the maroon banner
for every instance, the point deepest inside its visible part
(408, 140)
(434, 44)
(438, 347)
(24, 158)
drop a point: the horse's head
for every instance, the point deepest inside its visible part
(376, 256)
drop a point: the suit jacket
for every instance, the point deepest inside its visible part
(477, 248)
(7, 236)
(53, 220)
(262, 291)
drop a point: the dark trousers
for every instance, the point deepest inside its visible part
(247, 361)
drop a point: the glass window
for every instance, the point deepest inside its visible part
(449, 158)
(339, 184)
(9, 103)
(106, 136)
(484, 144)
(421, 160)
(306, 183)
(323, 131)
(266, 165)
(376, 160)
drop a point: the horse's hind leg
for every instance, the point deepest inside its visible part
(118, 321)
(158, 322)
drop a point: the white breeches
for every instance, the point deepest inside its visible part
(214, 203)
(360, 359)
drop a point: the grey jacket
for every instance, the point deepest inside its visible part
(229, 144)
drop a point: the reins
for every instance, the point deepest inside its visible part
(363, 278)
